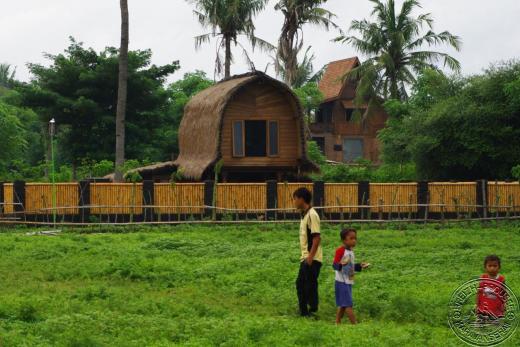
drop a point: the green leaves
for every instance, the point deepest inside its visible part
(396, 47)
(228, 19)
(455, 128)
(79, 90)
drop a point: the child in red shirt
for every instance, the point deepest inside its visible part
(491, 295)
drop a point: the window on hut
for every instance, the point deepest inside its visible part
(255, 138)
(238, 138)
(273, 138)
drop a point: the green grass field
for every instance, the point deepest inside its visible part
(234, 286)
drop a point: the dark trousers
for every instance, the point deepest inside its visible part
(307, 287)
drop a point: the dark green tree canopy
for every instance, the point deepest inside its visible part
(454, 128)
(79, 90)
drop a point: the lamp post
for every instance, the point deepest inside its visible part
(52, 132)
(309, 100)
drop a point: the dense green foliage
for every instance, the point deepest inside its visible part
(458, 128)
(515, 172)
(397, 47)
(79, 90)
(361, 171)
(156, 287)
(310, 97)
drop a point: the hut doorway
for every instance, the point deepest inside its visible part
(256, 138)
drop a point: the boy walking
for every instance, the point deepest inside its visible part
(345, 266)
(311, 253)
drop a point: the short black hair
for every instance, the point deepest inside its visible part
(303, 193)
(344, 233)
(492, 257)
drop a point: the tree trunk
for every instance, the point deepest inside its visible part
(122, 93)
(288, 51)
(227, 62)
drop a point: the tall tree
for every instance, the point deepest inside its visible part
(79, 89)
(296, 14)
(304, 72)
(227, 20)
(457, 128)
(395, 45)
(122, 93)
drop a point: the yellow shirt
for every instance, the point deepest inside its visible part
(310, 224)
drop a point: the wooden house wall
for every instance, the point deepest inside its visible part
(263, 102)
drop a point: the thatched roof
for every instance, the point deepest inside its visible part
(155, 169)
(201, 125)
(200, 129)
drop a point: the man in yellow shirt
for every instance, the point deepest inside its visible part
(311, 253)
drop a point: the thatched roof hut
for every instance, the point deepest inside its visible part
(253, 122)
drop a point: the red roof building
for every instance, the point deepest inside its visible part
(341, 136)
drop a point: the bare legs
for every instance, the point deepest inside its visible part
(341, 312)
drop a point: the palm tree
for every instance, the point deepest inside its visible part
(6, 75)
(297, 13)
(304, 70)
(394, 42)
(122, 93)
(229, 19)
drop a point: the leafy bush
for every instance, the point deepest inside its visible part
(457, 128)
(515, 172)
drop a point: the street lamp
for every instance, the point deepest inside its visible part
(52, 132)
(309, 100)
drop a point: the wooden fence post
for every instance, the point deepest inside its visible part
(482, 194)
(84, 200)
(422, 198)
(363, 199)
(318, 196)
(19, 196)
(208, 197)
(271, 198)
(2, 200)
(148, 200)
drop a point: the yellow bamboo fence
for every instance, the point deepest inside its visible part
(178, 194)
(38, 198)
(116, 198)
(244, 196)
(505, 194)
(393, 197)
(452, 197)
(8, 198)
(285, 192)
(341, 194)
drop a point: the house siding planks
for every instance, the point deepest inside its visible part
(263, 102)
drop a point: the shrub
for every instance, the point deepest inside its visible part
(515, 172)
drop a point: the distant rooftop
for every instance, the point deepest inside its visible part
(331, 83)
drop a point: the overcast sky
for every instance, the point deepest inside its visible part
(489, 30)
